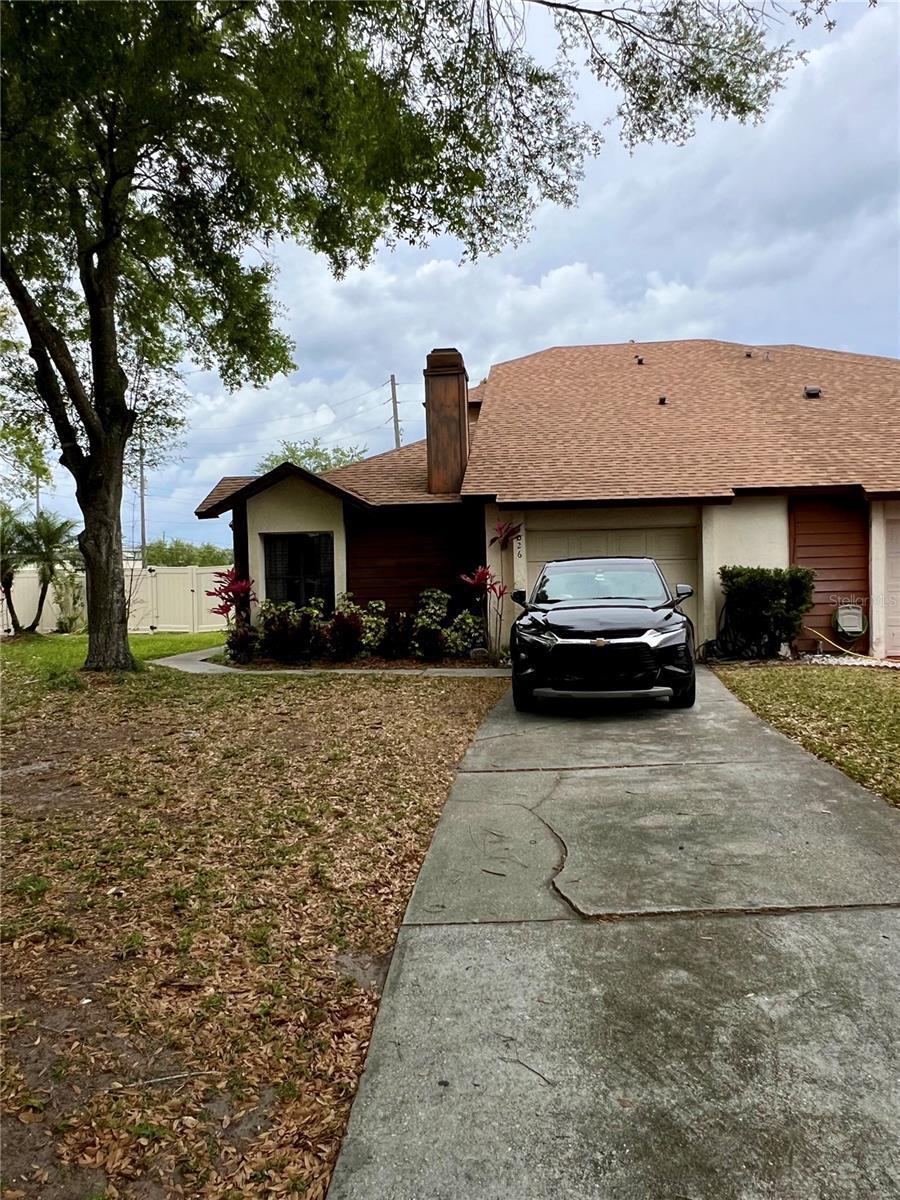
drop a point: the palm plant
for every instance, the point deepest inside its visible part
(11, 558)
(48, 541)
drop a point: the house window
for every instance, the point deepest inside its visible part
(300, 567)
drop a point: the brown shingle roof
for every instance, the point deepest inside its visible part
(585, 423)
(224, 489)
(395, 477)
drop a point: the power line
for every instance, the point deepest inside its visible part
(354, 433)
(333, 405)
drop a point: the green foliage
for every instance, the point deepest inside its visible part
(311, 454)
(373, 617)
(68, 593)
(429, 641)
(764, 608)
(175, 552)
(289, 633)
(398, 633)
(48, 543)
(344, 635)
(465, 634)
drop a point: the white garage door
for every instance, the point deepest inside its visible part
(675, 549)
(892, 590)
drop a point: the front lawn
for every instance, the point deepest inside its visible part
(847, 715)
(203, 878)
(49, 657)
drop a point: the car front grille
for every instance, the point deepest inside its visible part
(603, 668)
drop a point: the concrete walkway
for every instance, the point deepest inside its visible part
(194, 662)
(651, 955)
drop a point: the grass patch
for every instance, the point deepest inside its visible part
(848, 716)
(185, 856)
(38, 664)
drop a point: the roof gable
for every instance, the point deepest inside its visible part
(233, 489)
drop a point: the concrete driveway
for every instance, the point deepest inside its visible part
(652, 954)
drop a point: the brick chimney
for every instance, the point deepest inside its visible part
(446, 419)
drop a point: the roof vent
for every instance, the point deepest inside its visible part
(812, 393)
(639, 359)
(662, 400)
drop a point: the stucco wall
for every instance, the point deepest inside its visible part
(295, 506)
(751, 531)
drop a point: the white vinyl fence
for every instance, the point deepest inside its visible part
(173, 599)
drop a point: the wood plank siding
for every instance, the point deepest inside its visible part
(393, 554)
(832, 536)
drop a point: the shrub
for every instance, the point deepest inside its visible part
(289, 633)
(241, 641)
(433, 607)
(430, 642)
(344, 634)
(465, 633)
(373, 619)
(764, 608)
(68, 592)
(397, 638)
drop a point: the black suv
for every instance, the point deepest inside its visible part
(603, 628)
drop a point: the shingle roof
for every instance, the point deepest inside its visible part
(394, 477)
(225, 488)
(585, 423)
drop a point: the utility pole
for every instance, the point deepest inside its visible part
(394, 412)
(37, 494)
(142, 486)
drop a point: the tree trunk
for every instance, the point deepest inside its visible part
(42, 596)
(101, 545)
(10, 607)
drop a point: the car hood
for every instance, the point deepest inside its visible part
(608, 618)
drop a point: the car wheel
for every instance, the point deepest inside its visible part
(685, 697)
(523, 696)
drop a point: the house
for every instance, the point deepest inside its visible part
(697, 453)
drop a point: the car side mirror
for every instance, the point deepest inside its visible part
(683, 591)
(519, 597)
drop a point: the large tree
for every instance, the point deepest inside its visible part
(154, 151)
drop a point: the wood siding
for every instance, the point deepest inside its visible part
(832, 537)
(393, 554)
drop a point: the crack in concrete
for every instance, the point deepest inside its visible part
(708, 762)
(691, 914)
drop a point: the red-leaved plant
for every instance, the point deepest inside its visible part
(490, 592)
(505, 532)
(235, 595)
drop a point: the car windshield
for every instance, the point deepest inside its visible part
(600, 581)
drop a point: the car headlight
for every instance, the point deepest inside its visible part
(542, 637)
(660, 638)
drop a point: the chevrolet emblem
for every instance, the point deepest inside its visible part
(600, 642)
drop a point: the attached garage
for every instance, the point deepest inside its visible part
(670, 535)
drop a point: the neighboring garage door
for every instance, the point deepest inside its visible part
(892, 590)
(675, 549)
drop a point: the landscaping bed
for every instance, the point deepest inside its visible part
(364, 662)
(850, 718)
(203, 880)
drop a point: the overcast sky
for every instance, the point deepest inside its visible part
(784, 232)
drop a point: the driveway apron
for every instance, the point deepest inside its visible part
(652, 954)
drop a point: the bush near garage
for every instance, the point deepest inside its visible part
(764, 609)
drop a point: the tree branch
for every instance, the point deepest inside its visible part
(44, 334)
